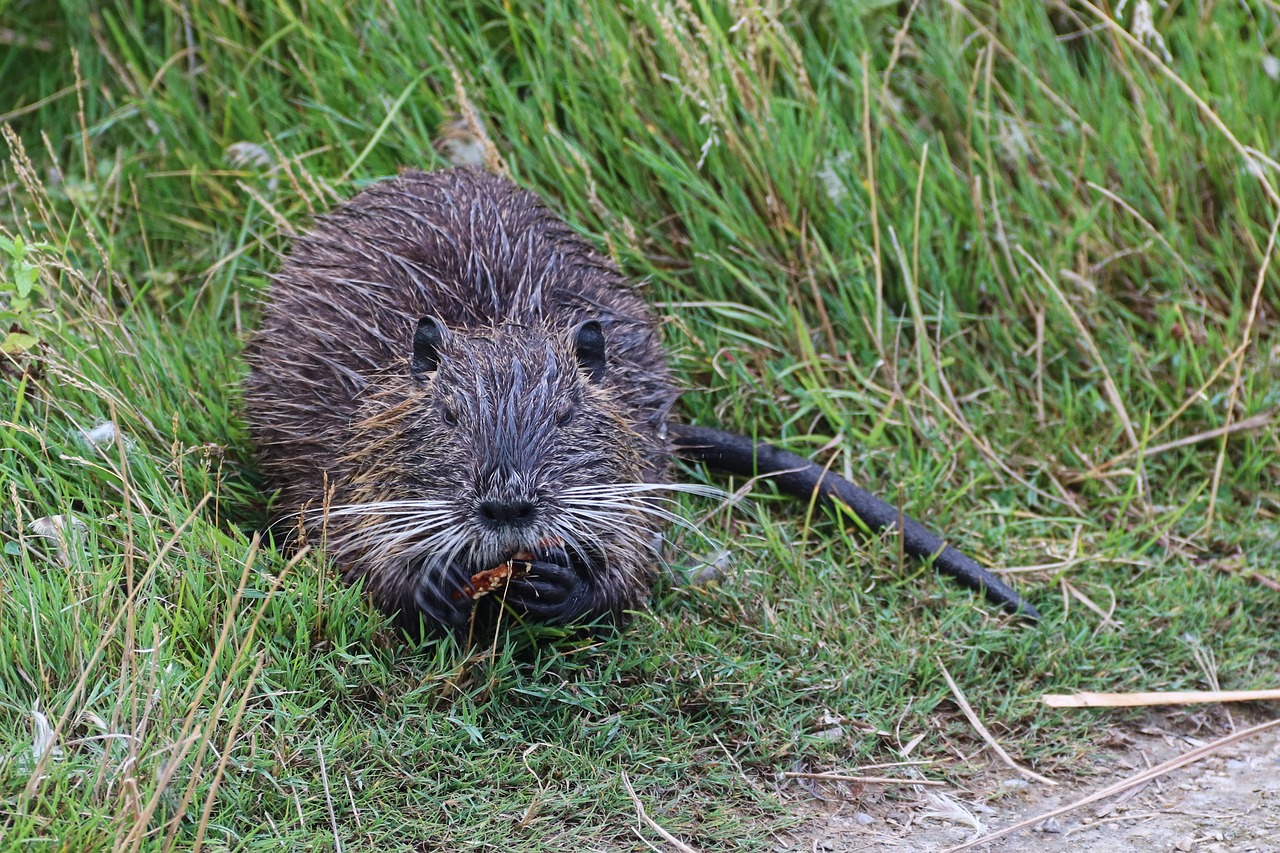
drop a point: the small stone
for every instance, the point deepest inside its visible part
(1051, 826)
(1014, 784)
(864, 819)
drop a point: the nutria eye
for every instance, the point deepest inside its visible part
(565, 415)
(588, 346)
(449, 415)
(427, 340)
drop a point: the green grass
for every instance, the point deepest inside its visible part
(873, 243)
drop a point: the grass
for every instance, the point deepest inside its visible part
(989, 262)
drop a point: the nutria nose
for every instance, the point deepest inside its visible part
(513, 513)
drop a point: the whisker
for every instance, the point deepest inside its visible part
(619, 508)
(405, 507)
(634, 488)
(623, 513)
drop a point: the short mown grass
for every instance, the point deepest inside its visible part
(1001, 264)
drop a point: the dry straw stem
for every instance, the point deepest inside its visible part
(1155, 232)
(1258, 421)
(493, 161)
(1069, 591)
(36, 106)
(1235, 380)
(651, 823)
(1250, 158)
(1123, 785)
(874, 196)
(863, 780)
(982, 730)
(898, 39)
(1265, 581)
(189, 727)
(1173, 697)
(328, 799)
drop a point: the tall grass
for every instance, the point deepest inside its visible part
(1001, 263)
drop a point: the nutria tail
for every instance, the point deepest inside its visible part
(801, 478)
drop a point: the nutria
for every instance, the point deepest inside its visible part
(459, 396)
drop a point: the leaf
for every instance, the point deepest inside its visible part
(18, 342)
(25, 277)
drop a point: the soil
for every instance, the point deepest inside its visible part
(1228, 802)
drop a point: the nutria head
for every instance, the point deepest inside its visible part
(509, 448)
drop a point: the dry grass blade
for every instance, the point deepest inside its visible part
(898, 39)
(245, 646)
(651, 823)
(864, 780)
(1247, 425)
(874, 200)
(328, 799)
(226, 752)
(1069, 589)
(37, 105)
(1027, 71)
(1173, 697)
(985, 447)
(1265, 581)
(108, 636)
(1137, 779)
(1109, 384)
(982, 730)
(1236, 379)
(1152, 229)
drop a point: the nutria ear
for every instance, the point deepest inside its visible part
(427, 339)
(588, 346)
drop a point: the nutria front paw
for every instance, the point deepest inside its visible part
(550, 590)
(439, 600)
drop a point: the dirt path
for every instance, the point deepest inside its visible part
(1228, 802)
